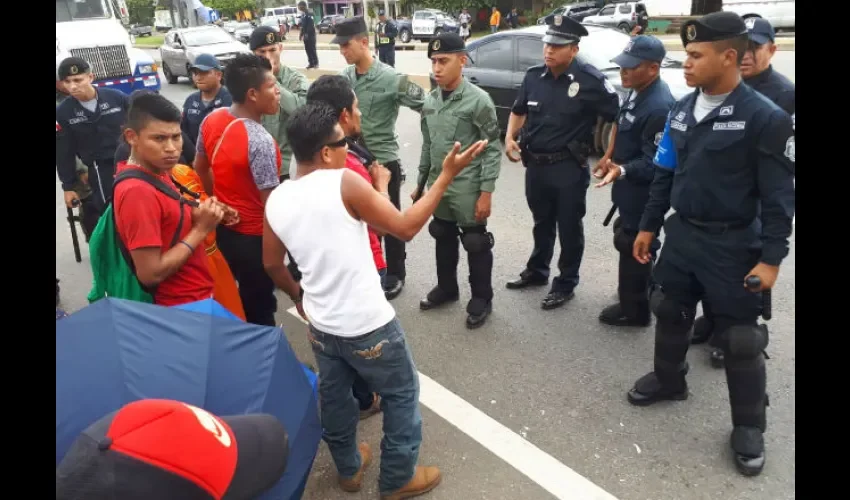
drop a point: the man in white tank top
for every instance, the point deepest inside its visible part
(322, 219)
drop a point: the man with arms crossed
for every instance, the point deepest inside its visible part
(353, 329)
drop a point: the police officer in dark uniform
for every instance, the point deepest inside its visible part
(211, 94)
(557, 107)
(385, 34)
(727, 152)
(636, 135)
(308, 35)
(88, 126)
(759, 74)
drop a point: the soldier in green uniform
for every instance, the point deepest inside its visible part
(458, 111)
(380, 91)
(265, 42)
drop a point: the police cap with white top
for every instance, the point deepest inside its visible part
(713, 28)
(563, 30)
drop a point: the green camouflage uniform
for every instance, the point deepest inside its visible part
(293, 94)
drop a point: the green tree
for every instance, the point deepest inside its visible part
(141, 11)
(229, 8)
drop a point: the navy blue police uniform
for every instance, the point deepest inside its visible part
(720, 174)
(385, 35)
(561, 115)
(780, 90)
(308, 36)
(90, 135)
(194, 107)
(640, 126)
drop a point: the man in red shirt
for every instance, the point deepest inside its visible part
(147, 219)
(335, 91)
(239, 162)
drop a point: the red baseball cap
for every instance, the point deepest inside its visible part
(161, 449)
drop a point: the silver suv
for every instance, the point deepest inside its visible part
(620, 15)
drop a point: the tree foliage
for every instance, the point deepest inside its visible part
(230, 7)
(141, 11)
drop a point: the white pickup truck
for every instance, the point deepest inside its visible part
(425, 25)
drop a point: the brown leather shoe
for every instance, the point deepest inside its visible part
(372, 410)
(355, 482)
(424, 480)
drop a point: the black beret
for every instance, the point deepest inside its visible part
(72, 66)
(446, 43)
(713, 27)
(349, 28)
(263, 36)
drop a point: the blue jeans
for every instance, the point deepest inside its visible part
(383, 360)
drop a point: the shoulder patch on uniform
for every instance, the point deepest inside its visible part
(793, 121)
(789, 149)
(658, 137)
(610, 88)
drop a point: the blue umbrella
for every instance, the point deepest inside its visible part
(116, 351)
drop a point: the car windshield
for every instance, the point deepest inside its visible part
(75, 10)
(242, 26)
(206, 36)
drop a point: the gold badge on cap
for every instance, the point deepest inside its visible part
(269, 37)
(691, 33)
(436, 45)
(73, 69)
(559, 19)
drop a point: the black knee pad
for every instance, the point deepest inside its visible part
(670, 312)
(745, 341)
(474, 242)
(442, 229)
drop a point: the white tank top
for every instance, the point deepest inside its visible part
(342, 289)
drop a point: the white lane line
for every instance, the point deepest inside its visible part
(536, 464)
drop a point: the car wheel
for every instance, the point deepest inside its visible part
(624, 27)
(405, 35)
(169, 76)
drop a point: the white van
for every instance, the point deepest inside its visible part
(287, 14)
(780, 13)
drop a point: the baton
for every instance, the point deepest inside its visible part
(610, 215)
(71, 221)
(753, 283)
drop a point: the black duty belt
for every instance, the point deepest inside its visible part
(549, 158)
(717, 227)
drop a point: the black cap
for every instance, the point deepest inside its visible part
(760, 30)
(263, 36)
(72, 66)
(713, 27)
(349, 28)
(446, 43)
(165, 449)
(639, 49)
(563, 30)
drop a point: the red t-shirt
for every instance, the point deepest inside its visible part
(146, 218)
(352, 163)
(248, 160)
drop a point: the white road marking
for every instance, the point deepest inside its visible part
(536, 464)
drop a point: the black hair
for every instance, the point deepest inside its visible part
(245, 72)
(310, 129)
(302, 3)
(739, 44)
(333, 90)
(147, 107)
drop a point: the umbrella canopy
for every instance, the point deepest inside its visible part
(115, 351)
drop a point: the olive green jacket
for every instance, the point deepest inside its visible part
(467, 116)
(293, 87)
(380, 92)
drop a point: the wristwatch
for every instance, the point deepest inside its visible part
(622, 171)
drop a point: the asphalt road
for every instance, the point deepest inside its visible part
(556, 378)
